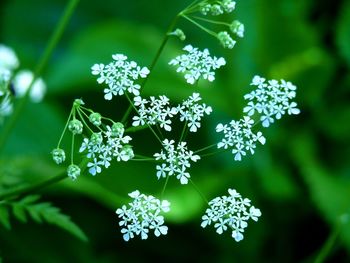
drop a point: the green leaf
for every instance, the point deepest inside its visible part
(5, 217)
(53, 215)
(343, 32)
(19, 212)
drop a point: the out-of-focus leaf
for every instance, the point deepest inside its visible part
(343, 31)
(5, 217)
(330, 193)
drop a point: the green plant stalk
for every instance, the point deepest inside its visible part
(57, 34)
(20, 191)
(328, 245)
(154, 62)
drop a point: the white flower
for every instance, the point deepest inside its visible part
(271, 99)
(8, 58)
(176, 161)
(154, 111)
(197, 64)
(142, 216)
(230, 212)
(120, 76)
(21, 83)
(192, 112)
(105, 146)
(238, 136)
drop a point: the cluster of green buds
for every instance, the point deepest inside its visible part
(101, 142)
(208, 11)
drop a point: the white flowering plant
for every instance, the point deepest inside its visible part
(98, 141)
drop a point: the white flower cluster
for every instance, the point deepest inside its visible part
(19, 82)
(154, 111)
(143, 215)
(197, 64)
(176, 160)
(101, 153)
(219, 8)
(271, 99)
(120, 76)
(191, 112)
(239, 137)
(230, 212)
(158, 111)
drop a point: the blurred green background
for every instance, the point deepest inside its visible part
(300, 179)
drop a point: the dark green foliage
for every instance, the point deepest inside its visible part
(40, 213)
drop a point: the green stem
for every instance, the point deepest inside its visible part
(328, 245)
(205, 148)
(20, 191)
(154, 62)
(164, 187)
(62, 24)
(200, 26)
(211, 21)
(65, 127)
(198, 191)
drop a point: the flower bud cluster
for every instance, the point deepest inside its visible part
(219, 8)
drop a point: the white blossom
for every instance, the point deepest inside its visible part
(22, 81)
(271, 100)
(142, 216)
(196, 64)
(239, 137)
(230, 213)
(120, 76)
(192, 112)
(154, 111)
(176, 160)
(102, 148)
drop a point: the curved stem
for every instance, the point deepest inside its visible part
(45, 183)
(62, 24)
(154, 62)
(200, 26)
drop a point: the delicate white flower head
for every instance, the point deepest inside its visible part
(271, 100)
(154, 111)
(177, 159)
(101, 148)
(8, 58)
(73, 171)
(192, 112)
(230, 212)
(21, 83)
(120, 76)
(239, 137)
(197, 64)
(142, 216)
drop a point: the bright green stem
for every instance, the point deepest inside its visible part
(165, 185)
(328, 245)
(154, 62)
(20, 191)
(205, 148)
(62, 24)
(211, 21)
(200, 26)
(199, 191)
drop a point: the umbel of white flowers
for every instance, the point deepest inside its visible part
(197, 64)
(230, 213)
(142, 216)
